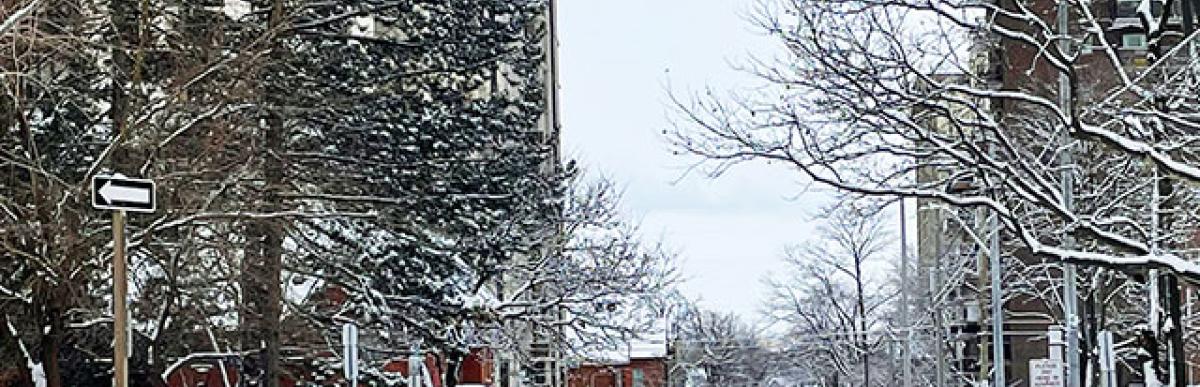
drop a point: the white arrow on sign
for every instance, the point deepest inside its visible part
(112, 193)
(122, 193)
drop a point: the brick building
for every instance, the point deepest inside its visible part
(638, 365)
(649, 372)
(955, 266)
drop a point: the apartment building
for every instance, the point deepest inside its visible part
(540, 361)
(952, 259)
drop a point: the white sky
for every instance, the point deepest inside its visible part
(616, 58)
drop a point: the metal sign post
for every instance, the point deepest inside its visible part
(415, 363)
(121, 194)
(1108, 368)
(350, 353)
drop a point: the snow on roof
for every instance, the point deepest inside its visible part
(651, 348)
(236, 9)
(648, 350)
(607, 356)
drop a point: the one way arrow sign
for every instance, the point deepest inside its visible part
(123, 193)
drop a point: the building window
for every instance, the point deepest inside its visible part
(639, 378)
(1127, 8)
(504, 373)
(1133, 41)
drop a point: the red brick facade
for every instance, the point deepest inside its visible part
(635, 373)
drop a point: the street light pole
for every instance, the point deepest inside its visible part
(997, 297)
(997, 303)
(1070, 293)
(904, 315)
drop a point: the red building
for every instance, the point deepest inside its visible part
(207, 370)
(640, 370)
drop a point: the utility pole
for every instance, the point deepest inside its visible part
(935, 284)
(120, 315)
(997, 303)
(904, 313)
(1070, 292)
(982, 265)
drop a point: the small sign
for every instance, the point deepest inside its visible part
(1045, 373)
(123, 193)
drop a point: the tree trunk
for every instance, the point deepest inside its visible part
(261, 288)
(272, 229)
(453, 365)
(861, 306)
(1090, 337)
(51, 343)
(1150, 351)
(1175, 337)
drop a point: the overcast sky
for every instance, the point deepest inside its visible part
(616, 60)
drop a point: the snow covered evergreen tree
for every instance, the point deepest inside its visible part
(395, 153)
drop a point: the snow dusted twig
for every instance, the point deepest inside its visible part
(15, 17)
(868, 115)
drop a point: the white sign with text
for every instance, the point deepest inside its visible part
(1045, 373)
